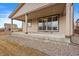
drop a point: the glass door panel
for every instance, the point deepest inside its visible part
(44, 24)
(54, 24)
(49, 23)
(40, 25)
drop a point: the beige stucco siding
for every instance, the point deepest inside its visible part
(52, 10)
(62, 24)
(34, 27)
(62, 20)
(23, 26)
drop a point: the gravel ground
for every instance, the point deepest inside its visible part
(52, 48)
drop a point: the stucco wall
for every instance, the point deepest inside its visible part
(23, 26)
(62, 24)
(34, 27)
(52, 10)
(57, 9)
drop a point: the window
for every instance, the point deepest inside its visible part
(44, 24)
(48, 23)
(29, 22)
(54, 23)
(40, 24)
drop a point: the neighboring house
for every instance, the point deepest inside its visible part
(77, 22)
(77, 26)
(1, 29)
(10, 27)
(45, 17)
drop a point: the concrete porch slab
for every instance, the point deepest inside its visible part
(46, 37)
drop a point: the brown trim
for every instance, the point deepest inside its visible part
(38, 8)
(15, 11)
(50, 15)
(19, 19)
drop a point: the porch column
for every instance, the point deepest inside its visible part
(26, 24)
(72, 19)
(69, 20)
(23, 26)
(11, 25)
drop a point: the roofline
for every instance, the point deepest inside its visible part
(16, 10)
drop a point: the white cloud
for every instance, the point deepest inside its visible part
(3, 21)
(7, 20)
(5, 14)
(18, 23)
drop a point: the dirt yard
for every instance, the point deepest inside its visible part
(8, 48)
(25, 46)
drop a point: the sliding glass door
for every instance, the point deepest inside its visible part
(48, 23)
(44, 24)
(54, 24)
(40, 24)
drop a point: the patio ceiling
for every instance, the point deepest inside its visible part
(27, 8)
(32, 8)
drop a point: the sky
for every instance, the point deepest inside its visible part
(5, 10)
(76, 11)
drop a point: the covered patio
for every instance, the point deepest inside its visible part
(30, 13)
(45, 37)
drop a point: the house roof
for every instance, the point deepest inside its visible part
(16, 9)
(30, 7)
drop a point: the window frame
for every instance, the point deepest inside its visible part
(57, 15)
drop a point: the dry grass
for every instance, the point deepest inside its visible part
(4, 33)
(8, 48)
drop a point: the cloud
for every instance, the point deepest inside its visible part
(4, 18)
(5, 14)
(8, 20)
(18, 23)
(5, 11)
(3, 21)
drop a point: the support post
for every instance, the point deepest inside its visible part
(11, 25)
(72, 19)
(26, 24)
(69, 19)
